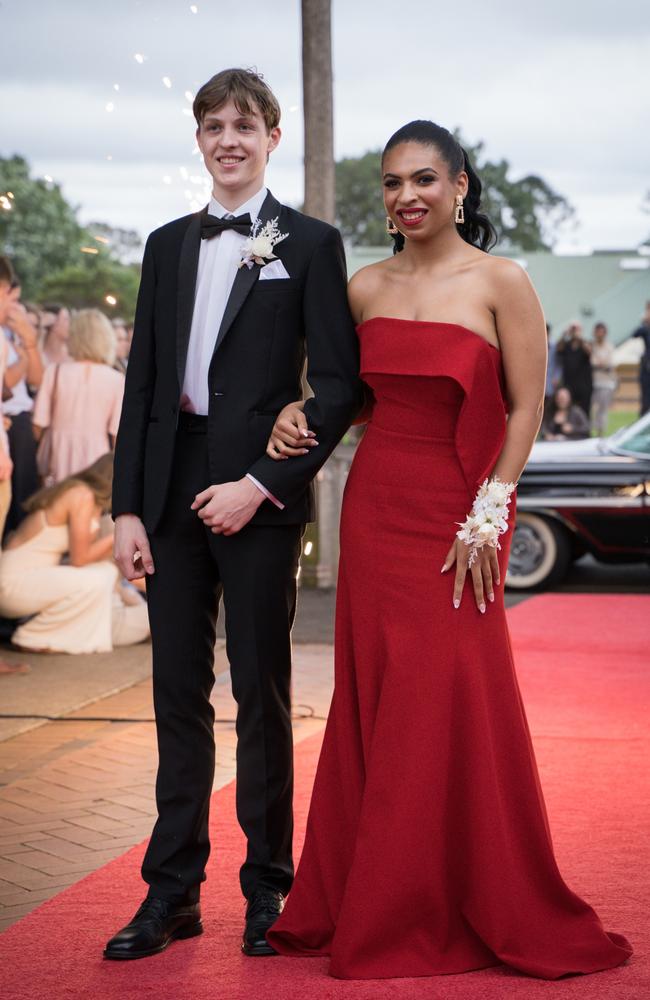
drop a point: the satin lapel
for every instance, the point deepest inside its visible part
(246, 277)
(187, 270)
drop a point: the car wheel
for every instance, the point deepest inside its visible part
(540, 553)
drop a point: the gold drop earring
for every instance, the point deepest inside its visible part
(459, 217)
(391, 228)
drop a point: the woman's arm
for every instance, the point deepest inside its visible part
(522, 337)
(290, 435)
(84, 548)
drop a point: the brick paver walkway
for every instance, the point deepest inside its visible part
(75, 794)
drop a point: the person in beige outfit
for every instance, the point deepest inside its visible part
(75, 607)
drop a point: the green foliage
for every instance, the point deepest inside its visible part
(87, 283)
(40, 232)
(41, 235)
(526, 213)
(123, 245)
(360, 211)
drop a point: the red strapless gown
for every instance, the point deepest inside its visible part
(427, 848)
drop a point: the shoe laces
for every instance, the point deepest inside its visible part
(264, 903)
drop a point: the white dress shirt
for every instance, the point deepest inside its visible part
(219, 259)
(218, 264)
(20, 400)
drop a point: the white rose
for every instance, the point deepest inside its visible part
(262, 246)
(488, 533)
(498, 493)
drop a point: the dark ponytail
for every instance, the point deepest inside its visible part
(477, 229)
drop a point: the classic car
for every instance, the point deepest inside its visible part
(577, 497)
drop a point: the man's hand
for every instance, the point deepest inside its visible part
(228, 508)
(18, 322)
(6, 466)
(131, 547)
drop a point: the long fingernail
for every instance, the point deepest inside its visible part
(481, 608)
(305, 434)
(456, 603)
(490, 597)
(443, 568)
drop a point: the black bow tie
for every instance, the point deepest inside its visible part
(212, 226)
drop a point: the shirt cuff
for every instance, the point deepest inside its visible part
(263, 489)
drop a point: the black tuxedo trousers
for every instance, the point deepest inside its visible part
(163, 458)
(254, 574)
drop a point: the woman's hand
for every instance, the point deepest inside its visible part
(484, 570)
(290, 435)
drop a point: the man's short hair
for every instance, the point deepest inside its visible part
(7, 273)
(246, 88)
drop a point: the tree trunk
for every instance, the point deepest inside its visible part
(318, 109)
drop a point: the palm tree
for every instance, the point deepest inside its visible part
(317, 109)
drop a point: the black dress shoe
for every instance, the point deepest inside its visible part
(264, 908)
(154, 926)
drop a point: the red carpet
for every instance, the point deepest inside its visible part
(583, 667)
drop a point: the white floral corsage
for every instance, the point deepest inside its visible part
(488, 518)
(258, 248)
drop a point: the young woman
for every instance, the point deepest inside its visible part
(564, 421)
(427, 847)
(80, 400)
(75, 606)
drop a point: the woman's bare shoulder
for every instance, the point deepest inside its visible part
(365, 283)
(505, 270)
(78, 496)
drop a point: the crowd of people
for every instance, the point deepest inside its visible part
(580, 384)
(62, 387)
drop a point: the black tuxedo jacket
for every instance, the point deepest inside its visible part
(255, 369)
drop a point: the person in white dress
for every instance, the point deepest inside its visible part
(76, 606)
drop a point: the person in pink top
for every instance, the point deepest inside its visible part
(80, 400)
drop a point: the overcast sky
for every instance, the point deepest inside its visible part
(561, 89)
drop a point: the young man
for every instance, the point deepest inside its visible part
(222, 327)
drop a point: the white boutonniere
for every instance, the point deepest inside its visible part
(258, 248)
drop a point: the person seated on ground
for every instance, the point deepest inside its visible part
(564, 421)
(80, 401)
(75, 606)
